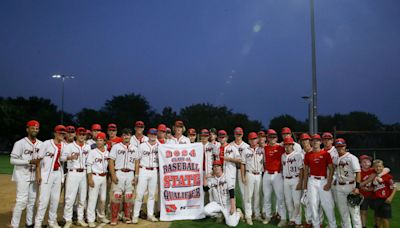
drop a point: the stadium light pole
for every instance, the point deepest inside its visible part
(62, 77)
(308, 99)
(314, 72)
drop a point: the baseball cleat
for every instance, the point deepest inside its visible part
(282, 223)
(249, 221)
(152, 219)
(53, 225)
(267, 220)
(135, 220)
(92, 224)
(82, 223)
(68, 224)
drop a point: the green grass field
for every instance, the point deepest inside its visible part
(6, 168)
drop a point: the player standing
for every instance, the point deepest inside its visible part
(96, 128)
(71, 134)
(24, 158)
(214, 137)
(287, 132)
(161, 133)
(318, 181)
(178, 138)
(75, 154)
(113, 139)
(139, 137)
(208, 151)
(192, 135)
(262, 138)
(348, 180)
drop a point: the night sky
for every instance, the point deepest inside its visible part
(252, 56)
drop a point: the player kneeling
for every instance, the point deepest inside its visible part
(347, 182)
(223, 193)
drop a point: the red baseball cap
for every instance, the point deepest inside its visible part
(70, 129)
(168, 130)
(116, 140)
(101, 135)
(362, 157)
(238, 131)
(152, 131)
(271, 132)
(261, 133)
(88, 132)
(162, 127)
(327, 135)
(204, 132)
(139, 124)
(305, 136)
(112, 126)
(32, 123)
(217, 162)
(286, 130)
(179, 123)
(96, 127)
(222, 133)
(316, 136)
(192, 131)
(80, 130)
(340, 142)
(60, 129)
(288, 141)
(252, 135)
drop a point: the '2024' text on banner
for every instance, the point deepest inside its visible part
(181, 181)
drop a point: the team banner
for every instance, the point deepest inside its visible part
(181, 181)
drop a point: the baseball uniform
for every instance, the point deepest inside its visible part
(229, 168)
(52, 178)
(297, 148)
(23, 151)
(124, 157)
(181, 140)
(292, 166)
(241, 147)
(97, 163)
(219, 188)
(347, 166)
(137, 141)
(76, 182)
(253, 159)
(272, 180)
(383, 188)
(148, 177)
(317, 162)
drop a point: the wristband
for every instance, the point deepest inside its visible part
(357, 185)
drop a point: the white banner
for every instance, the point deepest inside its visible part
(181, 181)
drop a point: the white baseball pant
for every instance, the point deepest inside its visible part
(124, 182)
(26, 197)
(317, 195)
(346, 211)
(148, 180)
(213, 209)
(292, 199)
(273, 182)
(99, 189)
(241, 185)
(252, 194)
(76, 183)
(49, 191)
(308, 214)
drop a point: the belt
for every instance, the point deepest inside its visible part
(345, 183)
(318, 177)
(149, 168)
(255, 173)
(100, 174)
(125, 170)
(76, 170)
(273, 172)
(292, 177)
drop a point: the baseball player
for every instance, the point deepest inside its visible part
(75, 154)
(122, 167)
(70, 136)
(24, 158)
(222, 190)
(287, 132)
(88, 134)
(318, 181)
(214, 137)
(272, 179)
(49, 175)
(208, 149)
(96, 164)
(192, 135)
(348, 180)
(168, 134)
(262, 138)
(292, 163)
(178, 138)
(161, 133)
(251, 172)
(96, 128)
(146, 175)
(138, 138)
(112, 136)
(228, 155)
(240, 146)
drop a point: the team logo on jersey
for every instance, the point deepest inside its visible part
(208, 149)
(343, 164)
(249, 155)
(28, 152)
(221, 183)
(49, 154)
(121, 151)
(291, 160)
(85, 152)
(229, 151)
(146, 152)
(99, 160)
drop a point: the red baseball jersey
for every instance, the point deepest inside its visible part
(272, 157)
(384, 189)
(318, 162)
(364, 176)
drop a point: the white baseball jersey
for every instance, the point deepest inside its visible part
(219, 189)
(297, 148)
(97, 161)
(253, 158)
(136, 142)
(334, 154)
(24, 151)
(181, 140)
(229, 152)
(347, 166)
(81, 151)
(48, 155)
(124, 156)
(241, 147)
(291, 164)
(148, 155)
(216, 144)
(209, 149)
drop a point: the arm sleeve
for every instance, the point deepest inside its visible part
(231, 193)
(16, 155)
(206, 188)
(15, 161)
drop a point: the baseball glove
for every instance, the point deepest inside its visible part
(355, 199)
